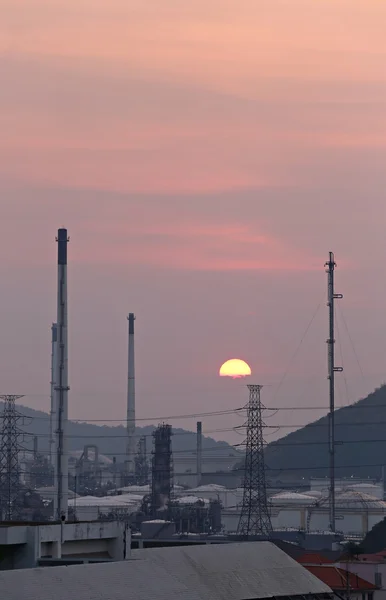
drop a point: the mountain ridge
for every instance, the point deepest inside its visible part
(360, 437)
(111, 440)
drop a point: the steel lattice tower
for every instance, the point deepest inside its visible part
(162, 468)
(10, 484)
(254, 518)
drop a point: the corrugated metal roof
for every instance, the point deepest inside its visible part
(234, 571)
(212, 572)
(106, 581)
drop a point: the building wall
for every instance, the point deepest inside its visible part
(230, 520)
(368, 572)
(56, 541)
(358, 522)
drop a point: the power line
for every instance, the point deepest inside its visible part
(278, 469)
(144, 419)
(296, 351)
(351, 341)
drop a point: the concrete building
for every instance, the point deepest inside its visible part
(91, 508)
(255, 570)
(371, 567)
(24, 546)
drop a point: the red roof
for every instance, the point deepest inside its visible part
(336, 578)
(313, 558)
(377, 557)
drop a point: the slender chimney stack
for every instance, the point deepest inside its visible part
(53, 412)
(61, 383)
(130, 451)
(199, 453)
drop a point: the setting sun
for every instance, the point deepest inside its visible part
(235, 368)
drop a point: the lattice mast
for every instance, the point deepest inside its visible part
(10, 447)
(332, 369)
(254, 518)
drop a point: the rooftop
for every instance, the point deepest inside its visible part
(336, 578)
(253, 570)
(313, 558)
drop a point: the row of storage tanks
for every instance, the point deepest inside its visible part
(359, 506)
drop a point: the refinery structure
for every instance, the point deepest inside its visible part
(152, 493)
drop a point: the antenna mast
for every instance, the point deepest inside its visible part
(332, 369)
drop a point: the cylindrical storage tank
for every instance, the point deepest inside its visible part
(371, 489)
(290, 509)
(356, 513)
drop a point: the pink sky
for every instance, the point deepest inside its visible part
(205, 157)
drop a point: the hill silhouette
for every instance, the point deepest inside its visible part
(360, 435)
(110, 440)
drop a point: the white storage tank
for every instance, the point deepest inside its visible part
(229, 498)
(289, 510)
(356, 513)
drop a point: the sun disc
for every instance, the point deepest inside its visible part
(235, 368)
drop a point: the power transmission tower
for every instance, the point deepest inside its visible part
(254, 518)
(10, 484)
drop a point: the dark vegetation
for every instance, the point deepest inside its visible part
(110, 440)
(360, 436)
(375, 540)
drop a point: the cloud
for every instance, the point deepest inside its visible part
(195, 246)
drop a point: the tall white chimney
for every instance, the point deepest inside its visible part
(53, 412)
(61, 383)
(130, 450)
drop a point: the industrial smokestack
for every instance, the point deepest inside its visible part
(199, 453)
(130, 451)
(61, 383)
(53, 412)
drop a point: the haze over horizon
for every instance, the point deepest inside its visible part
(205, 158)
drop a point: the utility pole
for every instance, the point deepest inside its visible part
(332, 369)
(10, 484)
(254, 518)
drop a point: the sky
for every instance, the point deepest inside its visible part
(205, 158)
